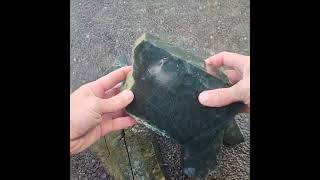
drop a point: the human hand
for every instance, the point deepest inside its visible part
(97, 108)
(238, 74)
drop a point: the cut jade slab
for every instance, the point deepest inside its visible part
(166, 82)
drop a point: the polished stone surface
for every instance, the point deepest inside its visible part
(166, 82)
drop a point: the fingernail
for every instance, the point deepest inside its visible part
(203, 98)
(128, 95)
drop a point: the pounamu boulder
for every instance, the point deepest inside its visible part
(166, 82)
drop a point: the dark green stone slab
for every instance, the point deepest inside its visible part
(166, 82)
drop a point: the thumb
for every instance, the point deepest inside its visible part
(220, 97)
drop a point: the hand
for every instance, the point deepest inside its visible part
(96, 109)
(238, 74)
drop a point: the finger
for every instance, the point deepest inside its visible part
(233, 60)
(116, 124)
(113, 78)
(114, 91)
(220, 97)
(233, 76)
(212, 70)
(113, 115)
(115, 103)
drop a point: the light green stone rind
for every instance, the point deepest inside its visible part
(143, 158)
(233, 134)
(111, 151)
(128, 83)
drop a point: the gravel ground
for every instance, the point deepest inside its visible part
(102, 30)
